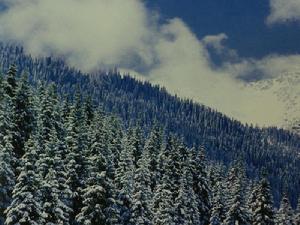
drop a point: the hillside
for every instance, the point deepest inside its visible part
(225, 139)
(286, 88)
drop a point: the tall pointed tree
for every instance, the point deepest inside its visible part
(285, 214)
(25, 207)
(142, 194)
(153, 146)
(297, 214)
(200, 183)
(186, 203)
(262, 210)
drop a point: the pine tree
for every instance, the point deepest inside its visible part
(124, 179)
(99, 205)
(25, 207)
(10, 84)
(96, 193)
(218, 208)
(136, 139)
(262, 210)
(284, 215)
(163, 202)
(55, 191)
(7, 175)
(23, 115)
(142, 194)
(75, 162)
(200, 183)
(153, 146)
(164, 212)
(8, 160)
(297, 214)
(237, 214)
(186, 203)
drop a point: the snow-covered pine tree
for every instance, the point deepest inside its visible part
(163, 200)
(262, 209)
(153, 146)
(7, 175)
(25, 207)
(124, 179)
(285, 214)
(10, 84)
(114, 139)
(186, 204)
(164, 212)
(75, 162)
(200, 183)
(142, 194)
(137, 141)
(8, 160)
(218, 207)
(297, 214)
(96, 193)
(55, 191)
(236, 213)
(23, 115)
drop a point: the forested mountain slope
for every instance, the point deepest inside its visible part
(67, 162)
(225, 139)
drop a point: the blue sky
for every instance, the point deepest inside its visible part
(244, 22)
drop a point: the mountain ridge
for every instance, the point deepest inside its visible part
(137, 102)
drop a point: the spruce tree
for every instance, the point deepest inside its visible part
(200, 183)
(218, 207)
(237, 213)
(8, 160)
(297, 214)
(23, 115)
(55, 191)
(124, 179)
(26, 207)
(142, 194)
(75, 162)
(153, 146)
(284, 215)
(186, 204)
(10, 84)
(262, 210)
(163, 203)
(7, 175)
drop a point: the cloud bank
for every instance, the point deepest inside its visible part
(284, 11)
(104, 33)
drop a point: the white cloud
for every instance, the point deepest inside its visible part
(284, 11)
(215, 41)
(107, 33)
(87, 33)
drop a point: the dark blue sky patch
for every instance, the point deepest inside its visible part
(242, 20)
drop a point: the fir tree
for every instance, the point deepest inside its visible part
(55, 191)
(163, 203)
(153, 147)
(23, 115)
(262, 210)
(237, 214)
(218, 207)
(124, 179)
(7, 175)
(200, 183)
(285, 214)
(297, 214)
(186, 203)
(25, 207)
(10, 84)
(142, 194)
